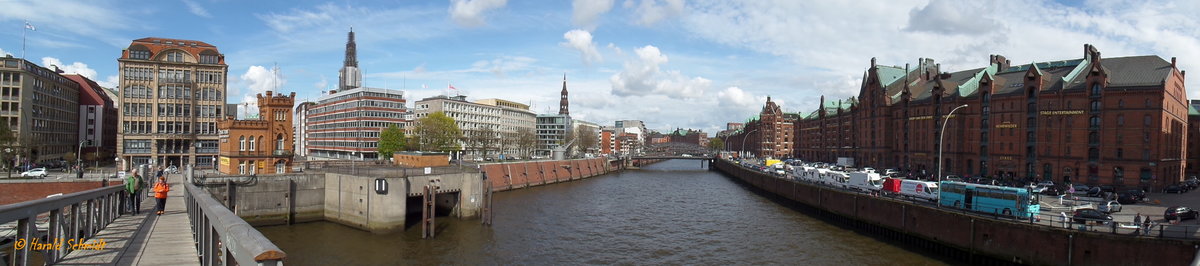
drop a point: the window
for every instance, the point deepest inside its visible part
(1145, 174)
(1146, 120)
(1120, 153)
(1118, 175)
(1120, 103)
(252, 143)
(1096, 89)
(1095, 106)
(242, 143)
(1094, 122)
(139, 54)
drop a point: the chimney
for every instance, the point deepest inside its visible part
(873, 62)
(1172, 61)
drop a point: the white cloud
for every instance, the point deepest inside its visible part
(323, 84)
(73, 68)
(110, 82)
(3, 53)
(257, 79)
(581, 40)
(196, 9)
(649, 12)
(587, 12)
(643, 76)
(472, 13)
(831, 47)
(96, 19)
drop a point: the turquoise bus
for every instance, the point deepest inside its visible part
(1008, 201)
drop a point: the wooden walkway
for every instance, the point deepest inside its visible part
(145, 239)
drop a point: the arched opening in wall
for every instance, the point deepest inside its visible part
(970, 166)
(1047, 172)
(279, 142)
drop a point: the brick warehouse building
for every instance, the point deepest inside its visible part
(1113, 121)
(770, 134)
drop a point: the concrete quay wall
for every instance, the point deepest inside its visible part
(967, 237)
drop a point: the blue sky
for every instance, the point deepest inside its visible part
(672, 63)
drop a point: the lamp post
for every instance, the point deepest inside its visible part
(116, 166)
(353, 164)
(744, 138)
(79, 156)
(941, 143)
(9, 163)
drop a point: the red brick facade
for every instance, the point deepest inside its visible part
(771, 135)
(17, 191)
(1112, 121)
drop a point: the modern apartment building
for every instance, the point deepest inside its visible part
(502, 118)
(97, 121)
(172, 94)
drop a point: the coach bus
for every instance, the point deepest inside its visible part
(1008, 201)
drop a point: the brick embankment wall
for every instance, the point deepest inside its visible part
(970, 238)
(21, 190)
(508, 176)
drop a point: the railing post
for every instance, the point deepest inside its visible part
(88, 221)
(25, 232)
(74, 221)
(53, 234)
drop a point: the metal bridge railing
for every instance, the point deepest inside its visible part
(78, 215)
(223, 238)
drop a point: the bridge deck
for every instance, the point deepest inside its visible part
(145, 239)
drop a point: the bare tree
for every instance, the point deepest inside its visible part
(586, 139)
(526, 141)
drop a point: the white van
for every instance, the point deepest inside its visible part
(926, 190)
(866, 181)
(837, 179)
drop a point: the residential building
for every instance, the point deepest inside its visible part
(770, 134)
(585, 127)
(551, 132)
(1118, 121)
(300, 125)
(259, 146)
(486, 124)
(172, 94)
(97, 121)
(346, 124)
(41, 108)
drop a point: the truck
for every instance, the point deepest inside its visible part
(916, 189)
(865, 181)
(845, 161)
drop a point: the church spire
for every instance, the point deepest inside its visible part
(562, 103)
(350, 77)
(351, 50)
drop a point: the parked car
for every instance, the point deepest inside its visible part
(1173, 188)
(1128, 198)
(1095, 192)
(1139, 194)
(1192, 182)
(172, 169)
(1179, 212)
(1109, 207)
(1054, 190)
(1084, 216)
(1081, 189)
(35, 172)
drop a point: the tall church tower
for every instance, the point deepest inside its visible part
(562, 103)
(350, 77)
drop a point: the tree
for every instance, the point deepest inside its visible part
(586, 139)
(482, 140)
(6, 140)
(716, 144)
(391, 140)
(526, 141)
(437, 132)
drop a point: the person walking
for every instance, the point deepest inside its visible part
(1146, 224)
(134, 185)
(1137, 222)
(160, 194)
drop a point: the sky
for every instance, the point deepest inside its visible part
(671, 63)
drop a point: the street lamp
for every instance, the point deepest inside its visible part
(942, 144)
(79, 156)
(8, 164)
(353, 164)
(744, 138)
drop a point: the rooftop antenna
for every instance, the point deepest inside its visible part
(275, 74)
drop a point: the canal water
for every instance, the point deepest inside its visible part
(671, 212)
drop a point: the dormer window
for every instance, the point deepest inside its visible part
(176, 57)
(139, 54)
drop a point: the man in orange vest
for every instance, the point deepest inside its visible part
(160, 193)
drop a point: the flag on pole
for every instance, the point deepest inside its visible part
(451, 87)
(29, 26)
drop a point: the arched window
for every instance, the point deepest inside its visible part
(1146, 120)
(1047, 172)
(1095, 106)
(1120, 103)
(252, 143)
(1093, 154)
(279, 142)
(1096, 89)
(1145, 174)
(1094, 121)
(1120, 120)
(242, 143)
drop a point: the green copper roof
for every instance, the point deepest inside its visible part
(889, 74)
(971, 85)
(1192, 110)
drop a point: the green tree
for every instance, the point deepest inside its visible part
(716, 144)
(391, 140)
(437, 132)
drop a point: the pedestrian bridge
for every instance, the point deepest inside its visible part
(671, 157)
(195, 229)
